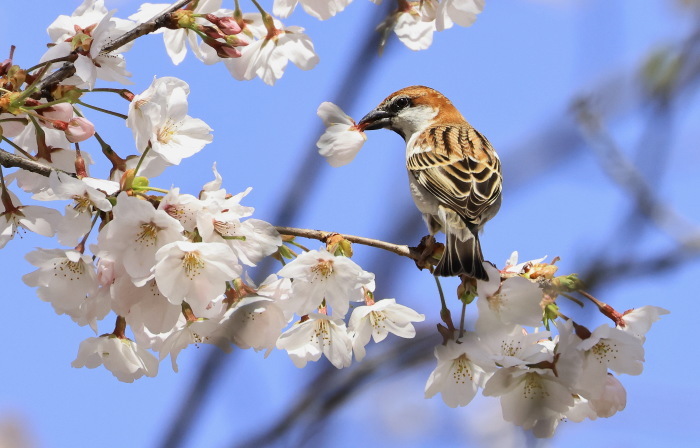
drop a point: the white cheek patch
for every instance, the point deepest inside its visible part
(412, 122)
(415, 119)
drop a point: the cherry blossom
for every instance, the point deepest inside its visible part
(79, 129)
(147, 107)
(135, 234)
(514, 301)
(532, 398)
(183, 207)
(195, 272)
(511, 346)
(86, 32)
(514, 268)
(321, 9)
(85, 200)
(376, 321)
(123, 357)
(608, 348)
(189, 332)
(65, 278)
(317, 335)
(177, 40)
(255, 322)
(459, 372)
(413, 25)
(342, 140)
(638, 321)
(461, 12)
(267, 57)
(159, 117)
(15, 217)
(319, 275)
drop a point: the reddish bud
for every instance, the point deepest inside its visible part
(229, 26)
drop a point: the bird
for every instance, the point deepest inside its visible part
(454, 173)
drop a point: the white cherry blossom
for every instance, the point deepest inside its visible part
(378, 320)
(608, 348)
(461, 12)
(189, 332)
(15, 218)
(638, 321)
(135, 234)
(195, 272)
(512, 266)
(516, 300)
(267, 57)
(320, 9)
(317, 335)
(532, 398)
(86, 32)
(511, 346)
(176, 41)
(254, 322)
(174, 135)
(123, 357)
(459, 372)
(251, 240)
(413, 26)
(320, 275)
(78, 215)
(342, 140)
(147, 107)
(65, 278)
(183, 207)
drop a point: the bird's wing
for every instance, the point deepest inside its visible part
(459, 167)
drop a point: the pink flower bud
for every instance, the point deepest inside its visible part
(79, 129)
(227, 51)
(62, 112)
(229, 26)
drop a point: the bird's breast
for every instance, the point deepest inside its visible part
(424, 200)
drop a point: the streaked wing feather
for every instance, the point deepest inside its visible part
(460, 168)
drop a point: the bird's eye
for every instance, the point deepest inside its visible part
(400, 103)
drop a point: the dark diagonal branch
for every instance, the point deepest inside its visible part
(9, 160)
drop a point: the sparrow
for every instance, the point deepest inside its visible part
(453, 171)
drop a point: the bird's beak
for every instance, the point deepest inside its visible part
(377, 119)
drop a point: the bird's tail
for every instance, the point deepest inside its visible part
(462, 257)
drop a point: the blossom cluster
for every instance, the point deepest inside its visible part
(541, 376)
(251, 44)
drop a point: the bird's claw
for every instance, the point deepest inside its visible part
(429, 252)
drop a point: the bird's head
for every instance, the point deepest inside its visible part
(411, 110)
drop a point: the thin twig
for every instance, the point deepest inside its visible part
(143, 28)
(320, 235)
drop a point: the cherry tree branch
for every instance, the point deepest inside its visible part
(144, 28)
(9, 160)
(402, 250)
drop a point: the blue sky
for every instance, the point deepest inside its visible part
(513, 74)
